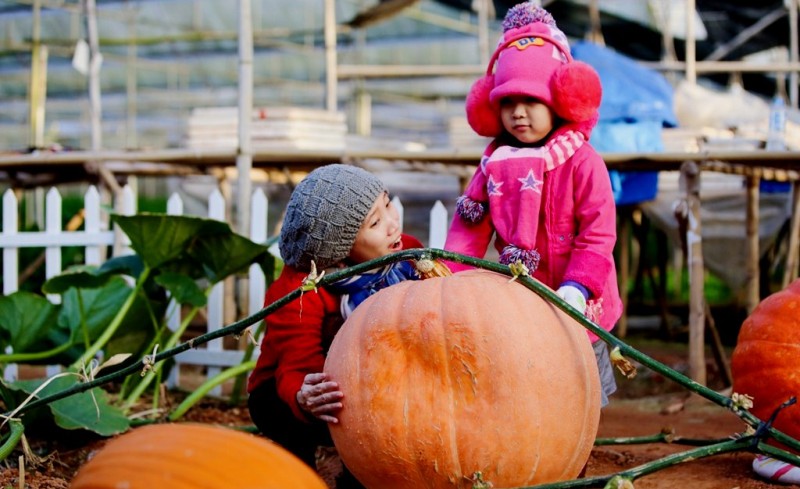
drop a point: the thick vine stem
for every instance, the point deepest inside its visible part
(654, 466)
(14, 436)
(745, 443)
(209, 384)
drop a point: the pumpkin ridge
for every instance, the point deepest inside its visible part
(412, 298)
(455, 457)
(589, 381)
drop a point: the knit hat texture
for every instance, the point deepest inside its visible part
(324, 214)
(526, 65)
(533, 59)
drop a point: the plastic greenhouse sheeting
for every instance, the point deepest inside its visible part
(636, 105)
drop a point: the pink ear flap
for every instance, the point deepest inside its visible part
(577, 91)
(482, 116)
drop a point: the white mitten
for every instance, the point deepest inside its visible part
(573, 296)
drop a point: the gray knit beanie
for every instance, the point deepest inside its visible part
(324, 215)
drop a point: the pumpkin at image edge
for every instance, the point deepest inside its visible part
(766, 360)
(452, 379)
(193, 456)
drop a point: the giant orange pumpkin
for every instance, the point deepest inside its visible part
(459, 378)
(766, 361)
(193, 456)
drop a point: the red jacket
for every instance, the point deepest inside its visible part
(298, 334)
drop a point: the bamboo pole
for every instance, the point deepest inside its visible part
(37, 91)
(792, 258)
(752, 285)
(690, 177)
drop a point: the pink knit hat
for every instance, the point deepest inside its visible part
(533, 59)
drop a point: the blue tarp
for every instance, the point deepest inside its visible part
(636, 105)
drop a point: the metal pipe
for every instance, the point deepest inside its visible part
(95, 101)
(244, 156)
(794, 57)
(331, 68)
(691, 53)
(417, 71)
(131, 68)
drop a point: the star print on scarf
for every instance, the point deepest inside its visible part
(492, 187)
(529, 182)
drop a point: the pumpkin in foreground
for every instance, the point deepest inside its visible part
(766, 360)
(454, 379)
(193, 456)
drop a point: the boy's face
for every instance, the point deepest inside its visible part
(526, 118)
(379, 234)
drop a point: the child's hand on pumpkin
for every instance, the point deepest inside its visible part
(320, 397)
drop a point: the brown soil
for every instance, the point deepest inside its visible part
(644, 406)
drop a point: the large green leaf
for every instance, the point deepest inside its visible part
(87, 410)
(225, 254)
(82, 276)
(126, 265)
(25, 319)
(159, 238)
(100, 305)
(182, 288)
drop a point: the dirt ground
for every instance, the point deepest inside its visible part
(644, 406)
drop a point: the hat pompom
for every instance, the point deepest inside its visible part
(577, 91)
(525, 14)
(482, 116)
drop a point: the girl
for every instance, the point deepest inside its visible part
(541, 191)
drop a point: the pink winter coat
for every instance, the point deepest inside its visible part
(564, 209)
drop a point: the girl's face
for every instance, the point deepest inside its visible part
(526, 118)
(379, 234)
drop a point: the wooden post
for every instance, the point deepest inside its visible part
(624, 269)
(790, 272)
(690, 179)
(752, 286)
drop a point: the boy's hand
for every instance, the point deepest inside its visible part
(320, 397)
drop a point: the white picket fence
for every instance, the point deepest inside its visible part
(95, 239)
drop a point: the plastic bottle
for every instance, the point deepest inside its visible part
(777, 125)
